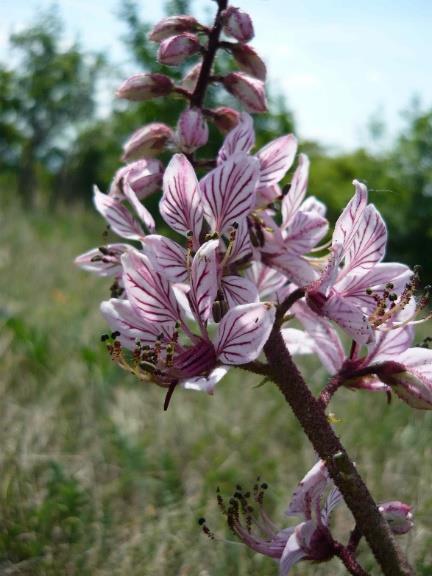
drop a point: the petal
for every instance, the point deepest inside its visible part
(327, 344)
(309, 491)
(354, 285)
(297, 341)
(296, 268)
(369, 243)
(389, 345)
(205, 384)
(242, 246)
(204, 281)
(292, 200)
(350, 318)
(103, 261)
(238, 290)
(292, 554)
(242, 333)
(149, 292)
(169, 257)
(122, 317)
(141, 210)
(350, 219)
(276, 159)
(228, 191)
(239, 139)
(118, 217)
(312, 204)
(180, 205)
(305, 231)
(267, 280)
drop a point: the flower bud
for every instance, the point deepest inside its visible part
(249, 91)
(147, 141)
(190, 80)
(249, 61)
(398, 516)
(145, 86)
(237, 24)
(192, 130)
(172, 26)
(175, 49)
(143, 176)
(225, 118)
(410, 377)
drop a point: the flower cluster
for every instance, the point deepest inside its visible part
(242, 254)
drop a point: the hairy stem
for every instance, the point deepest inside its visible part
(312, 418)
(348, 559)
(197, 98)
(328, 392)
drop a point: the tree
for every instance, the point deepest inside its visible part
(45, 94)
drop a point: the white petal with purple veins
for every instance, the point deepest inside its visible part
(228, 191)
(276, 159)
(180, 205)
(239, 139)
(169, 257)
(242, 333)
(149, 292)
(118, 217)
(350, 219)
(294, 197)
(350, 318)
(238, 290)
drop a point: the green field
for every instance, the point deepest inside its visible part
(97, 480)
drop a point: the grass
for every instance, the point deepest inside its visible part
(97, 480)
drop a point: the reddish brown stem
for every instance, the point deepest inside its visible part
(198, 95)
(312, 418)
(348, 559)
(328, 392)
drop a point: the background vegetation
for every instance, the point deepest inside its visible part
(95, 478)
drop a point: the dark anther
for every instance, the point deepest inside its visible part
(201, 521)
(104, 250)
(264, 485)
(104, 337)
(115, 334)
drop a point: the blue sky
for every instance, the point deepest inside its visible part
(338, 62)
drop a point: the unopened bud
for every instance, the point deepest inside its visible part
(237, 24)
(249, 61)
(190, 80)
(175, 49)
(398, 515)
(249, 91)
(411, 377)
(171, 26)
(225, 118)
(147, 141)
(145, 86)
(143, 176)
(192, 130)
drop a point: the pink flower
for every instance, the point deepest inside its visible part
(143, 176)
(147, 141)
(145, 86)
(237, 24)
(151, 315)
(248, 90)
(354, 269)
(225, 118)
(175, 49)
(249, 61)
(192, 130)
(173, 25)
(398, 515)
(308, 540)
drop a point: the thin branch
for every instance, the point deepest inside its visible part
(312, 418)
(284, 306)
(327, 393)
(348, 559)
(256, 367)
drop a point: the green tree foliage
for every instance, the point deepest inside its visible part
(46, 91)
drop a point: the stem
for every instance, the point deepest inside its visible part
(327, 393)
(312, 418)
(198, 95)
(287, 303)
(348, 559)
